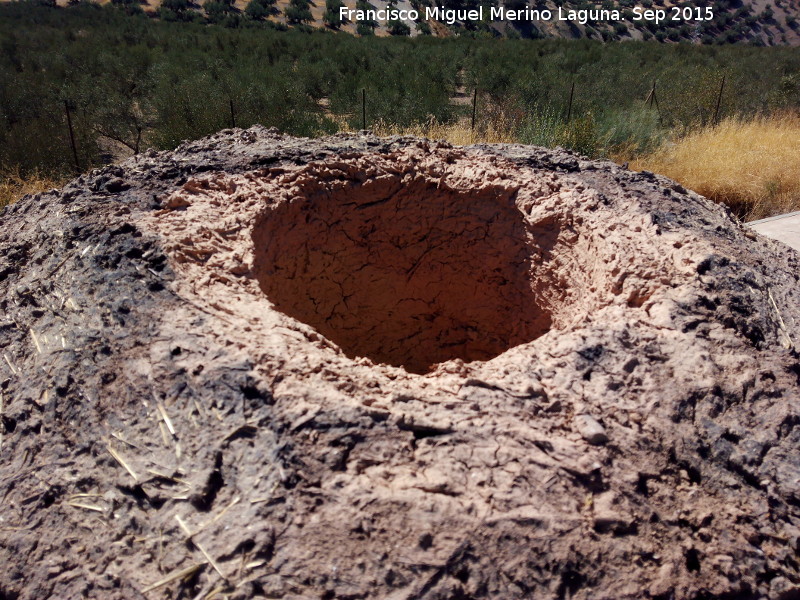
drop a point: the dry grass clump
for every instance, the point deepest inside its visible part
(14, 186)
(460, 133)
(753, 165)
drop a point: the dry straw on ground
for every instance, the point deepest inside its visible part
(752, 166)
(14, 186)
(459, 133)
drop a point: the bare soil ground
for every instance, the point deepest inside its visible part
(262, 366)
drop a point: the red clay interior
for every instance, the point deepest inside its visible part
(403, 270)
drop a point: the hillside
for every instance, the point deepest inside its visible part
(762, 22)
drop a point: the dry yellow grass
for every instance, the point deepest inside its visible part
(752, 166)
(459, 133)
(13, 186)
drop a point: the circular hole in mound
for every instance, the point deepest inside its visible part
(403, 270)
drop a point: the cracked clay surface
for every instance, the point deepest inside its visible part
(263, 366)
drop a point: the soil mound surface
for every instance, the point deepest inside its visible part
(262, 366)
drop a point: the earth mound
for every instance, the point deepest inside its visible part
(262, 366)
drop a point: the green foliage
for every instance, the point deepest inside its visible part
(366, 26)
(398, 28)
(298, 12)
(131, 7)
(331, 16)
(258, 10)
(217, 11)
(177, 10)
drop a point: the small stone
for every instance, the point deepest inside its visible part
(554, 407)
(609, 515)
(590, 429)
(117, 185)
(176, 201)
(781, 588)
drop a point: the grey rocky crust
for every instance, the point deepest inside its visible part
(630, 430)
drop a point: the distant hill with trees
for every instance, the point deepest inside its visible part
(760, 22)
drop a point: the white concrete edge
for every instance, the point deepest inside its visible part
(775, 218)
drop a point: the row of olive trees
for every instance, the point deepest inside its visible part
(297, 12)
(126, 83)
